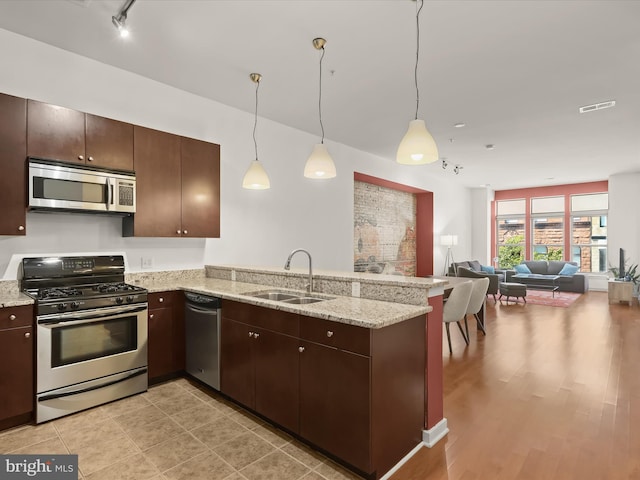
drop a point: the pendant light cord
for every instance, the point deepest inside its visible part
(417, 53)
(255, 123)
(320, 98)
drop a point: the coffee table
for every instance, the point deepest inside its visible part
(539, 282)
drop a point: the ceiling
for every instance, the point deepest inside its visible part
(514, 72)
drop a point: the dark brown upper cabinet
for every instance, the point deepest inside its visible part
(60, 133)
(13, 177)
(178, 186)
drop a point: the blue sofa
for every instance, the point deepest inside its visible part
(542, 272)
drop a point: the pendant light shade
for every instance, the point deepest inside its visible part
(417, 146)
(256, 177)
(320, 164)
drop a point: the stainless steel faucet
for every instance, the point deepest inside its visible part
(287, 266)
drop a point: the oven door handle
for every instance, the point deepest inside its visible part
(91, 317)
(109, 194)
(95, 387)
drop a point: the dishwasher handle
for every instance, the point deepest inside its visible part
(204, 311)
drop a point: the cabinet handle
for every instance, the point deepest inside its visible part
(80, 157)
(250, 334)
(329, 333)
(21, 228)
(161, 300)
(301, 349)
(185, 232)
(90, 159)
(151, 315)
(256, 335)
(27, 335)
(178, 232)
(12, 317)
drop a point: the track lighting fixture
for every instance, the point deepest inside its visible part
(256, 177)
(320, 164)
(417, 146)
(120, 20)
(457, 169)
(444, 164)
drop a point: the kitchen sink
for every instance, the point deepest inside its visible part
(289, 297)
(304, 300)
(277, 296)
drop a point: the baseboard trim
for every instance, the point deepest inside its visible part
(404, 460)
(435, 434)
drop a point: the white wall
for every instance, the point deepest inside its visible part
(257, 227)
(624, 220)
(481, 199)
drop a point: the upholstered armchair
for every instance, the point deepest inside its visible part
(473, 269)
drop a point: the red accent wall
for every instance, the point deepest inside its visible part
(424, 220)
(550, 191)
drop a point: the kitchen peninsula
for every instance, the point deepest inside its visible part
(360, 392)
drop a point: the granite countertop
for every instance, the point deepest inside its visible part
(10, 295)
(351, 310)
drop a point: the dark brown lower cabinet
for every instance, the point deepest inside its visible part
(260, 370)
(335, 409)
(16, 365)
(356, 393)
(165, 341)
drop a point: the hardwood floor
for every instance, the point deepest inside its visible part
(550, 393)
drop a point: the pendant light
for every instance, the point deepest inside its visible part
(256, 177)
(319, 164)
(417, 146)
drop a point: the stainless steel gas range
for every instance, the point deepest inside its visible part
(91, 332)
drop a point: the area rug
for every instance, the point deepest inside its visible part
(545, 297)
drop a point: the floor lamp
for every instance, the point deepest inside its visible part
(449, 241)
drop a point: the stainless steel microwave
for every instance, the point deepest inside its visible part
(62, 186)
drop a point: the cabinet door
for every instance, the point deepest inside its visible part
(160, 342)
(16, 372)
(334, 402)
(200, 188)
(156, 161)
(13, 152)
(237, 374)
(109, 143)
(276, 377)
(55, 132)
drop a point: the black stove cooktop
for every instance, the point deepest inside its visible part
(65, 284)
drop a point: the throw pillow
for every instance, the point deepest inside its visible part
(488, 269)
(568, 269)
(522, 268)
(475, 265)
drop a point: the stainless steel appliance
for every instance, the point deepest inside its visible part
(91, 332)
(202, 325)
(62, 186)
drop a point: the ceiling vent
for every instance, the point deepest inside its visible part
(597, 106)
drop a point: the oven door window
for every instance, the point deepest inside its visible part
(78, 343)
(69, 190)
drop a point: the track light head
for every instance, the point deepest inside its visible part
(444, 164)
(457, 169)
(120, 22)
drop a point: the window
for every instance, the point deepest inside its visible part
(548, 238)
(511, 241)
(589, 242)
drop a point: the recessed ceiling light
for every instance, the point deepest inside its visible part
(490, 146)
(597, 106)
(459, 124)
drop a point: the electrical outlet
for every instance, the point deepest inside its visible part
(147, 262)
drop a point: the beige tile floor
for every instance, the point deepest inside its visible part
(174, 431)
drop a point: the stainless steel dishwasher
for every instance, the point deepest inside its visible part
(202, 325)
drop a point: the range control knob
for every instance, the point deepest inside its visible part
(62, 306)
(129, 298)
(119, 300)
(74, 305)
